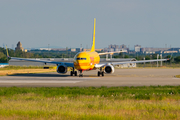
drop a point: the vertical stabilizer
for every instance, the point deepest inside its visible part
(7, 52)
(93, 44)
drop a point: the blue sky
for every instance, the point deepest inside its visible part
(69, 23)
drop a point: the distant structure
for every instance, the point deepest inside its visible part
(150, 50)
(79, 49)
(123, 46)
(19, 47)
(137, 48)
(112, 48)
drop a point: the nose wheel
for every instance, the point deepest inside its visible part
(73, 73)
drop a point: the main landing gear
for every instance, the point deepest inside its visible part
(73, 72)
(80, 75)
(101, 72)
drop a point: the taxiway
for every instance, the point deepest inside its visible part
(121, 77)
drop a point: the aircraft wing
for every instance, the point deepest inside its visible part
(105, 53)
(118, 63)
(44, 61)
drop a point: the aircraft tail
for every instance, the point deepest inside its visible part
(93, 44)
(7, 52)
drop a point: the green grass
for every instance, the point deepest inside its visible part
(141, 93)
(153, 102)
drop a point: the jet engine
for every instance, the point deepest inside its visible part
(109, 69)
(62, 69)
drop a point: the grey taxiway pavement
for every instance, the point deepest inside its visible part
(121, 77)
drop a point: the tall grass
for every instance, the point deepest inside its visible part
(154, 102)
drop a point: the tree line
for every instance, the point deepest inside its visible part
(34, 54)
(67, 54)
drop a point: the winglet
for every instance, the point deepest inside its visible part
(93, 44)
(7, 52)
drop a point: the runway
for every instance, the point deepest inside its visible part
(121, 77)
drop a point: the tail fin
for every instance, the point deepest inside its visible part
(7, 52)
(93, 44)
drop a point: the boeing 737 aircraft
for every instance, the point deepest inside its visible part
(86, 60)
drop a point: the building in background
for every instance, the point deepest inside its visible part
(79, 49)
(123, 46)
(151, 50)
(112, 48)
(19, 46)
(137, 48)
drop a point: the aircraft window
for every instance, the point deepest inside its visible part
(80, 58)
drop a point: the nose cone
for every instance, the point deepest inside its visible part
(81, 61)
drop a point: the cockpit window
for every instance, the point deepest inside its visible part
(80, 58)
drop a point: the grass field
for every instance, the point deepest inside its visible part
(147, 103)
(12, 70)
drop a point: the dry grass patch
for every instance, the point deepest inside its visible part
(24, 71)
(177, 76)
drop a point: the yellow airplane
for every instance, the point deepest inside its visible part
(87, 60)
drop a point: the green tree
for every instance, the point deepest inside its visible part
(177, 59)
(126, 56)
(3, 58)
(147, 57)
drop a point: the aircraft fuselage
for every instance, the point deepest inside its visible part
(86, 60)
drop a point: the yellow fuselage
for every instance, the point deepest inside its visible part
(86, 60)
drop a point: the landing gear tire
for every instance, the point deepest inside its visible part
(100, 73)
(73, 73)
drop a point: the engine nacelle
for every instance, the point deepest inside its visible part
(62, 69)
(109, 69)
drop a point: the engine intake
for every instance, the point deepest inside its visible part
(62, 69)
(109, 69)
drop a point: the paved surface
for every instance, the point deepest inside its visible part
(121, 77)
